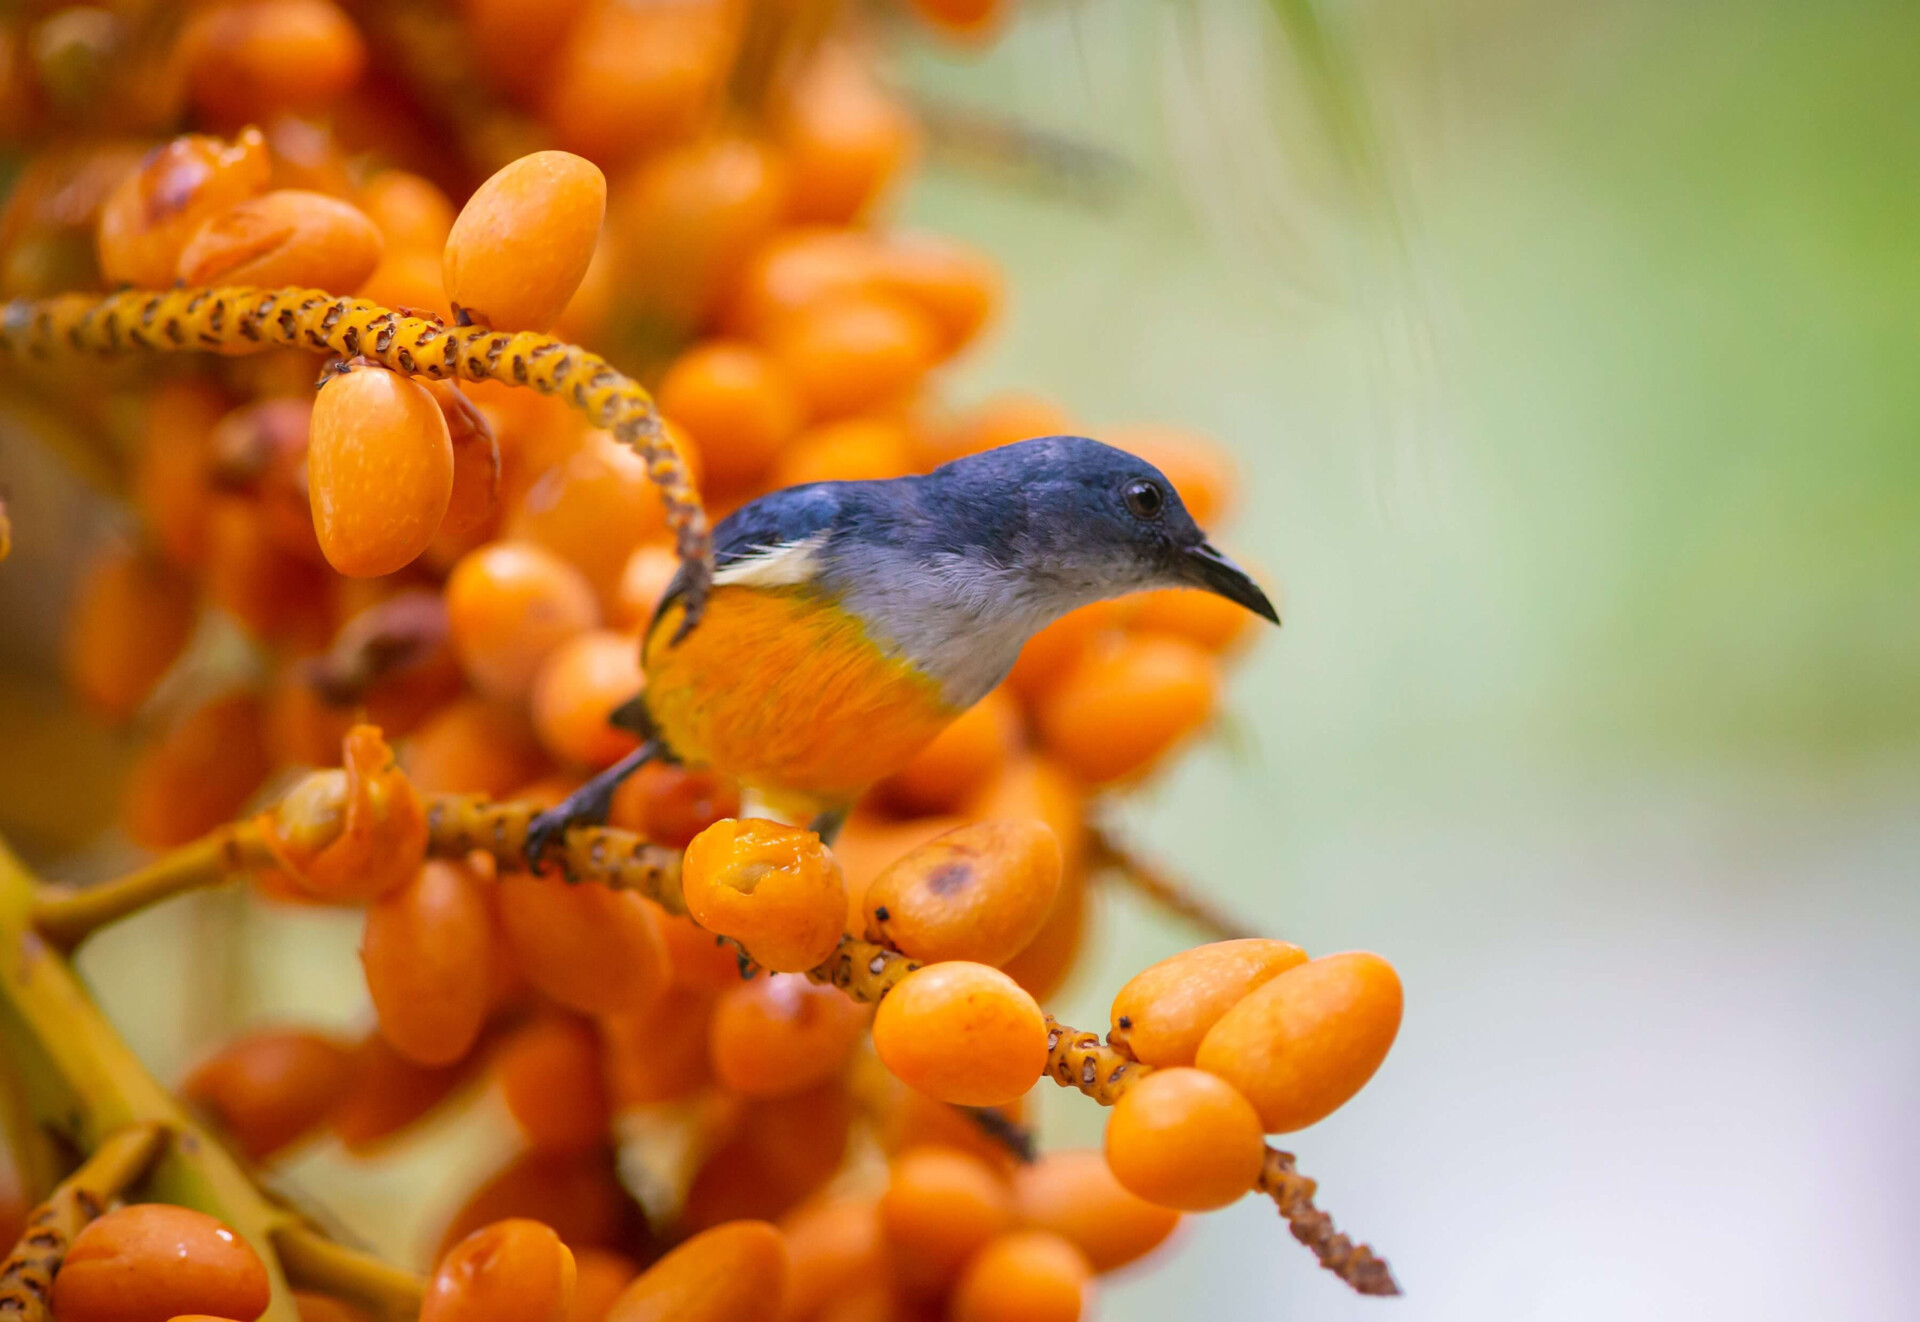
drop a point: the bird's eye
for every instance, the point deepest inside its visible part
(1146, 499)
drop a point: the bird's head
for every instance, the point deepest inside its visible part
(1086, 521)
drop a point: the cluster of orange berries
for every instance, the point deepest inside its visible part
(470, 568)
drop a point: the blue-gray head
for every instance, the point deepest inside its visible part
(1075, 521)
(959, 567)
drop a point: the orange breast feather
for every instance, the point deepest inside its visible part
(786, 691)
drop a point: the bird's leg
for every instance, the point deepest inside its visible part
(588, 805)
(827, 825)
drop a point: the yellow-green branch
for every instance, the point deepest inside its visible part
(314, 1262)
(67, 915)
(240, 319)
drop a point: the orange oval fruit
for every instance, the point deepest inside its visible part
(286, 237)
(426, 950)
(1162, 1013)
(179, 186)
(1023, 1276)
(979, 893)
(510, 604)
(962, 1032)
(1304, 1043)
(940, 1208)
(523, 241)
(1186, 1139)
(782, 1034)
(1073, 1193)
(1127, 704)
(148, 1262)
(380, 465)
(735, 1272)
(578, 686)
(269, 1089)
(515, 1269)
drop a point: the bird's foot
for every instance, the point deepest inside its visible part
(586, 806)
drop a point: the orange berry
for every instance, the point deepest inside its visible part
(775, 889)
(147, 1262)
(1049, 959)
(1074, 1194)
(516, 40)
(854, 351)
(523, 241)
(797, 269)
(1161, 1015)
(411, 212)
(409, 281)
(869, 844)
(578, 1196)
(1126, 704)
(670, 805)
(380, 463)
(962, 1032)
(593, 509)
(170, 479)
(1303, 1043)
(1199, 469)
(644, 581)
(845, 138)
(635, 77)
(832, 1247)
(659, 1054)
(286, 237)
(551, 1077)
(980, 893)
(960, 761)
(601, 1274)
(1051, 655)
(275, 594)
(1023, 1276)
(199, 774)
(940, 1208)
(1201, 617)
(353, 834)
(474, 499)
(577, 688)
(998, 420)
(180, 185)
(269, 1089)
(472, 746)
(971, 21)
(1031, 786)
(783, 1150)
(911, 1119)
(782, 1034)
(248, 61)
(850, 450)
(733, 1273)
(388, 1093)
(689, 217)
(509, 604)
(955, 285)
(736, 403)
(426, 951)
(1186, 1139)
(131, 617)
(589, 947)
(700, 959)
(511, 1269)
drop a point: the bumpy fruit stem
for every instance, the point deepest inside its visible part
(26, 1277)
(240, 319)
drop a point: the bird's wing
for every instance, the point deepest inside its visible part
(768, 542)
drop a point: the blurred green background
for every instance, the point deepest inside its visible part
(1569, 353)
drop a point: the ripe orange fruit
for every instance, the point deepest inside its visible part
(1305, 1042)
(380, 463)
(1073, 1193)
(1186, 1139)
(269, 1089)
(979, 893)
(1162, 1014)
(148, 1262)
(523, 241)
(511, 1269)
(964, 1033)
(1023, 1276)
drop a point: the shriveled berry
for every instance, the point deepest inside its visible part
(775, 889)
(980, 893)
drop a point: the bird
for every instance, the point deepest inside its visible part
(850, 622)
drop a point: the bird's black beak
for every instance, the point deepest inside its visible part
(1206, 567)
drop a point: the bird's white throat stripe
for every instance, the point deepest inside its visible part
(785, 565)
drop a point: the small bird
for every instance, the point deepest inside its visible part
(851, 622)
